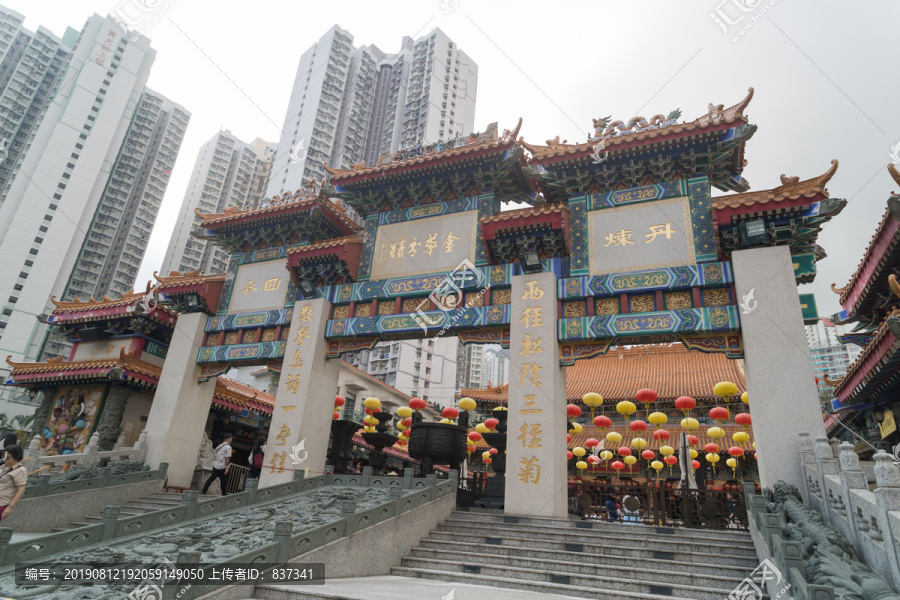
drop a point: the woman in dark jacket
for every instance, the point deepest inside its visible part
(612, 508)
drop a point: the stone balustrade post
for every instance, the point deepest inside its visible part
(120, 442)
(187, 558)
(348, 513)
(791, 556)
(825, 465)
(105, 473)
(190, 499)
(852, 478)
(109, 519)
(887, 499)
(251, 487)
(5, 537)
(807, 457)
(771, 526)
(90, 451)
(394, 493)
(835, 448)
(282, 537)
(407, 478)
(34, 448)
(140, 447)
(366, 479)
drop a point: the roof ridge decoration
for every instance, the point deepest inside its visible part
(791, 188)
(77, 304)
(476, 141)
(126, 359)
(537, 210)
(638, 128)
(195, 276)
(356, 237)
(892, 169)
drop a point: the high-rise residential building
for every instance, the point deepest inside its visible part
(830, 357)
(349, 105)
(30, 64)
(228, 173)
(424, 368)
(470, 366)
(496, 367)
(50, 199)
(117, 238)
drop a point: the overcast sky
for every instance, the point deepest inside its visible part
(824, 88)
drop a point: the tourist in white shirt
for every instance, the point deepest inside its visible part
(221, 465)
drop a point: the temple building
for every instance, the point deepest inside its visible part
(864, 406)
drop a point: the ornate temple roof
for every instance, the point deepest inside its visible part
(471, 146)
(79, 311)
(525, 217)
(238, 397)
(290, 204)
(791, 188)
(177, 288)
(671, 371)
(543, 229)
(717, 117)
(178, 279)
(56, 371)
(872, 372)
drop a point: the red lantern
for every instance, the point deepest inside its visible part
(695, 464)
(736, 451)
(671, 459)
(648, 455)
(407, 421)
(591, 443)
(493, 451)
(339, 401)
(646, 396)
(488, 461)
(662, 435)
(491, 423)
(572, 410)
(638, 426)
(569, 438)
(474, 436)
(336, 416)
(711, 449)
(416, 404)
(602, 421)
(693, 440)
(593, 459)
(569, 455)
(718, 414)
(754, 456)
(742, 419)
(618, 465)
(368, 411)
(685, 403)
(624, 451)
(450, 412)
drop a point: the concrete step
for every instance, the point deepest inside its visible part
(658, 570)
(93, 520)
(544, 587)
(641, 535)
(551, 574)
(144, 506)
(472, 517)
(437, 539)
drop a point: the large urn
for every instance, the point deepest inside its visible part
(342, 431)
(494, 493)
(437, 444)
(380, 440)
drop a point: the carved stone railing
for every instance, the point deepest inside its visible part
(48, 485)
(405, 493)
(88, 459)
(851, 529)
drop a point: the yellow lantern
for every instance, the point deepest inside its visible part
(500, 409)
(482, 428)
(606, 455)
(614, 437)
(715, 432)
(657, 466)
(593, 400)
(745, 398)
(446, 421)
(667, 450)
(658, 419)
(741, 437)
(581, 465)
(638, 443)
(690, 423)
(372, 403)
(370, 420)
(630, 460)
(694, 454)
(725, 390)
(485, 455)
(626, 408)
(404, 411)
(467, 404)
(579, 451)
(731, 462)
(753, 445)
(713, 458)
(577, 428)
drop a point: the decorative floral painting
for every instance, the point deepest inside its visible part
(71, 420)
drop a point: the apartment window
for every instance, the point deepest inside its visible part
(13, 299)
(7, 312)
(428, 370)
(17, 287)
(53, 206)
(57, 196)
(82, 136)
(66, 175)
(79, 147)
(29, 263)
(38, 239)
(23, 275)
(61, 186)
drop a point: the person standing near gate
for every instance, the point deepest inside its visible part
(220, 466)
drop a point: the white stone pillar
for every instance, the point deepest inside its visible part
(780, 377)
(305, 399)
(536, 481)
(181, 405)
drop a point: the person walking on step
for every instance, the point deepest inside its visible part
(13, 478)
(220, 466)
(612, 508)
(257, 458)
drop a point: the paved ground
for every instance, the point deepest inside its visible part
(392, 588)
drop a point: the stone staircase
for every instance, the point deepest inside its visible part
(589, 559)
(144, 504)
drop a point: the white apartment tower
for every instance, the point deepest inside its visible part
(52, 195)
(349, 105)
(228, 173)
